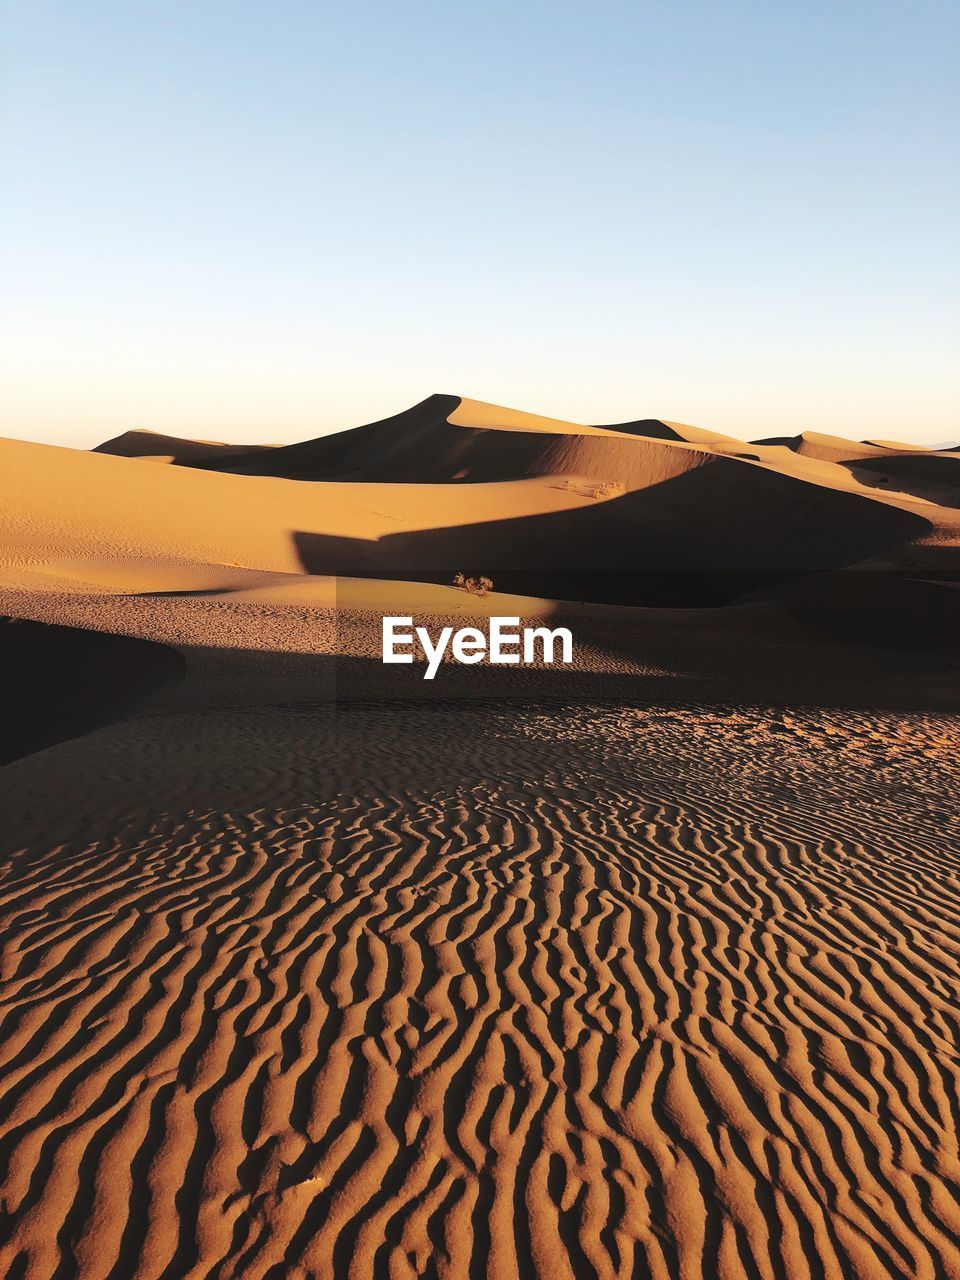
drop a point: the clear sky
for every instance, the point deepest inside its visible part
(270, 220)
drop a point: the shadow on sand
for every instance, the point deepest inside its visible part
(703, 538)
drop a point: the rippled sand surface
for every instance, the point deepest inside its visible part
(410, 991)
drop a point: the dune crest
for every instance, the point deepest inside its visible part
(456, 485)
(157, 447)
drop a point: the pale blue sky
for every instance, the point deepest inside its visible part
(269, 220)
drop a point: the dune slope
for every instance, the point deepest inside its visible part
(157, 447)
(555, 509)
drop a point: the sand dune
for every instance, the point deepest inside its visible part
(445, 439)
(648, 966)
(157, 447)
(472, 488)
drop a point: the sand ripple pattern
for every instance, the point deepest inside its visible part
(627, 994)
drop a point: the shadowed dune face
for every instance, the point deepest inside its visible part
(812, 444)
(163, 448)
(470, 454)
(649, 428)
(385, 446)
(439, 442)
(933, 477)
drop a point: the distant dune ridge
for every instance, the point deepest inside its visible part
(455, 484)
(645, 966)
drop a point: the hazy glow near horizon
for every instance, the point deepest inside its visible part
(266, 221)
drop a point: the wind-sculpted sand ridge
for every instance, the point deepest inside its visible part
(157, 447)
(465, 992)
(679, 516)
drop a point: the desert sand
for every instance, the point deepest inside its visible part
(644, 967)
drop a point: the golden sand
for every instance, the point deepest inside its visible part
(642, 967)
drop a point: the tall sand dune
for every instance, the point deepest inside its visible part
(457, 485)
(442, 439)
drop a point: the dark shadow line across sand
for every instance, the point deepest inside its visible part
(705, 537)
